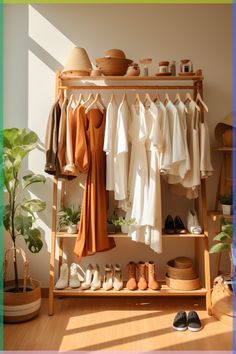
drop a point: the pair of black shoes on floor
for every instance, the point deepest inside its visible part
(183, 322)
(174, 226)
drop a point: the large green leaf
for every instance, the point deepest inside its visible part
(8, 177)
(23, 223)
(228, 229)
(32, 178)
(9, 136)
(33, 240)
(222, 236)
(33, 205)
(6, 216)
(219, 247)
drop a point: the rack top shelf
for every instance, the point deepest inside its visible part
(132, 78)
(121, 235)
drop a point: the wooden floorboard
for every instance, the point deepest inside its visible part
(117, 324)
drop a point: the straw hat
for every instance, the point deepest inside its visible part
(223, 130)
(77, 63)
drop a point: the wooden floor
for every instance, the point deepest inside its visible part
(117, 324)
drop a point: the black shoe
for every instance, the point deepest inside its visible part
(179, 226)
(169, 225)
(194, 323)
(180, 322)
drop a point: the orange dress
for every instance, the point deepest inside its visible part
(92, 236)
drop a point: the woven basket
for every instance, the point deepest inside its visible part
(180, 273)
(180, 284)
(183, 262)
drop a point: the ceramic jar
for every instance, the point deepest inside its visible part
(95, 72)
(186, 66)
(163, 67)
(133, 70)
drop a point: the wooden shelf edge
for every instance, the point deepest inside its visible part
(165, 291)
(225, 149)
(215, 214)
(133, 78)
(121, 235)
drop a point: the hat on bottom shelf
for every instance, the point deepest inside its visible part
(181, 275)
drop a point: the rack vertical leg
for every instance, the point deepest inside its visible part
(53, 248)
(61, 243)
(207, 276)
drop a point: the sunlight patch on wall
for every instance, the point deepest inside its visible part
(48, 37)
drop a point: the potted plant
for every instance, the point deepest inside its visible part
(123, 223)
(69, 217)
(226, 202)
(19, 215)
(222, 294)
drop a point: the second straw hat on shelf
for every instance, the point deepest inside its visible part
(78, 63)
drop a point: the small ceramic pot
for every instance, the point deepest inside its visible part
(95, 72)
(226, 209)
(72, 229)
(163, 67)
(133, 70)
(124, 229)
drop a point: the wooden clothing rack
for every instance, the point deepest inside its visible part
(120, 83)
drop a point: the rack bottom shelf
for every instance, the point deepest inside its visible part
(164, 291)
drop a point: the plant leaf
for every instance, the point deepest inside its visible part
(33, 205)
(33, 240)
(6, 216)
(222, 236)
(219, 247)
(9, 135)
(32, 178)
(23, 223)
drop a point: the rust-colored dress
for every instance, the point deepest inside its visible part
(92, 236)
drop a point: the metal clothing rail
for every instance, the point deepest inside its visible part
(129, 87)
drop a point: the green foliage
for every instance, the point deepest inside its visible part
(69, 216)
(19, 212)
(226, 199)
(224, 238)
(118, 221)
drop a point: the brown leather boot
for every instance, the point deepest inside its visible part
(131, 283)
(142, 282)
(151, 276)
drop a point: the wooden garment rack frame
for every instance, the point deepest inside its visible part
(120, 83)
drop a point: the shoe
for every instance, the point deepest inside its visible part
(193, 223)
(118, 281)
(107, 282)
(179, 226)
(131, 283)
(96, 282)
(74, 281)
(63, 280)
(142, 282)
(151, 276)
(88, 277)
(194, 323)
(180, 321)
(169, 225)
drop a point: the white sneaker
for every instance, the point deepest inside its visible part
(74, 281)
(193, 223)
(107, 282)
(62, 282)
(96, 283)
(88, 277)
(118, 281)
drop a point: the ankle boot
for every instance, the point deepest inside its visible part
(131, 283)
(151, 276)
(107, 282)
(118, 281)
(142, 282)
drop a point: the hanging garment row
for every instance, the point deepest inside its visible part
(141, 141)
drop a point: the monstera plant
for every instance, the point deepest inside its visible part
(19, 213)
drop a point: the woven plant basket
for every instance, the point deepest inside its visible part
(22, 306)
(184, 285)
(180, 273)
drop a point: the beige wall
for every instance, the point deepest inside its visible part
(37, 41)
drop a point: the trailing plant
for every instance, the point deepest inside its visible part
(19, 214)
(224, 240)
(69, 216)
(120, 220)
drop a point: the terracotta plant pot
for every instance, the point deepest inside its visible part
(113, 66)
(19, 307)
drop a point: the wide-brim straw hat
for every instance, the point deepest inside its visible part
(78, 61)
(227, 123)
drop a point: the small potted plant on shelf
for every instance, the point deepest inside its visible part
(22, 297)
(69, 218)
(226, 202)
(123, 223)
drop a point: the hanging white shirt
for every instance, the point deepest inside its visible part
(121, 149)
(206, 168)
(109, 142)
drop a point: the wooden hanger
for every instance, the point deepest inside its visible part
(147, 100)
(157, 99)
(89, 100)
(95, 104)
(188, 98)
(178, 100)
(99, 98)
(72, 100)
(199, 98)
(166, 98)
(137, 99)
(124, 98)
(113, 99)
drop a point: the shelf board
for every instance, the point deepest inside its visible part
(164, 291)
(121, 235)
(133, 78)
(214, 214)
(225, 149)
